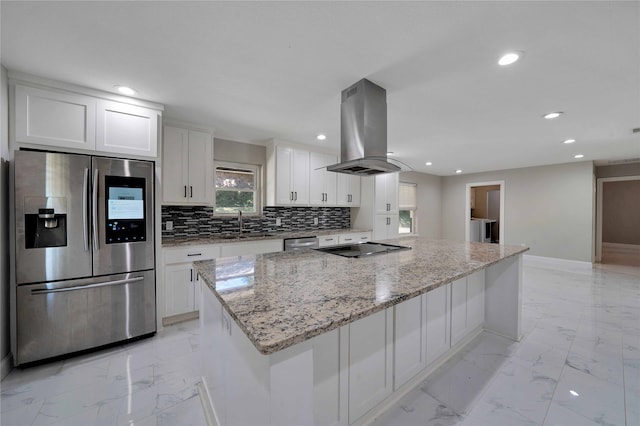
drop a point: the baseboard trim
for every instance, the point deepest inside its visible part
(6, 365)
(631, 248)
(530, 260)
(175, 319)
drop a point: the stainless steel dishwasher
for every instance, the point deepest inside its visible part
(300, 243)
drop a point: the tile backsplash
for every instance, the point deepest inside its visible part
(192, 221)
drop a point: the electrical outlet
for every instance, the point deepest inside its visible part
(169, 225)
(278, 221)
(315, 220)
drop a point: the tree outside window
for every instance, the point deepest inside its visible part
(237, 188)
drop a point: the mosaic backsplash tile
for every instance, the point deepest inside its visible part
(190, 221)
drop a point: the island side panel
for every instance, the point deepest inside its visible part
(503, 298)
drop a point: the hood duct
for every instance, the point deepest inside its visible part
(363, 131)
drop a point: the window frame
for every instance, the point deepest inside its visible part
(257, 173)
(411, 209)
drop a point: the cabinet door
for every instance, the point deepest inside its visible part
(354, 184)
(475, 300)
(410, 339)
(458, 310)
(438, 337)
(370, 362)
(175, 167)
(317, 174)
(300, 177)
(126, 129)
(385, 226)
(200, 186)
(54, 118)
(179, 289)
(284, 160)
(348, 187)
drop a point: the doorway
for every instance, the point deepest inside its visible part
(618, 230)
(484, 212)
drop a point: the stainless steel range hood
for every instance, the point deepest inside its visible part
(363, 131)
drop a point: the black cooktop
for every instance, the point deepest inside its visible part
(362, 249)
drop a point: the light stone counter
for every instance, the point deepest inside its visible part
(280, 299)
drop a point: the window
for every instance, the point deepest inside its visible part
(407, 207)
(237, 188)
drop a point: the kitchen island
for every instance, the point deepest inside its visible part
(313, 338)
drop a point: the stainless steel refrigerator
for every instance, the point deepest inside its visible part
(84, 253)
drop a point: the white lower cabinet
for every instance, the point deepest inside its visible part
(438, 332)
(337, 378)
(409, 339)
(467, 305)
(181, 282)
(182, 290)
(370, 366)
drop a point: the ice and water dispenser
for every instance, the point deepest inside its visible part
(45, 222)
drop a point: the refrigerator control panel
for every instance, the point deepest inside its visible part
(125, 209)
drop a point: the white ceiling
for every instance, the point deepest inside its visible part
(261, 70)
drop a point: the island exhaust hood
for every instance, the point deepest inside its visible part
(363, 131)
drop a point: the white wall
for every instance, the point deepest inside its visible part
(429, 198)
(548, 208)
(4, 223)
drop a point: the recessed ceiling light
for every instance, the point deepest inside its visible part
(458, 171)
(574, 393)
(125, 90)
(321, 137)
(569, 141)
(578, 156)
(428, 163)
(553, 115)
(509, 58)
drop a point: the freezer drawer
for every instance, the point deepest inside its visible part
(68, 316)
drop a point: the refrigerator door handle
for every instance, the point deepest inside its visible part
(84, 287)
(85, 210)
(94, 210)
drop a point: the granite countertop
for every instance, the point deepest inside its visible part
(217, 239)
(280, 299)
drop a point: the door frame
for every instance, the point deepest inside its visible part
(600, 188)
(467, 210)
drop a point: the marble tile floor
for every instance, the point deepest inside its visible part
(578, 364)
(151, 382)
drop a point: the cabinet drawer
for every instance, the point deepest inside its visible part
(348, 239)
(328, 240)
(191, 254)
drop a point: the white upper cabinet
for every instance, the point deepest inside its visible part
(187, 167)
(57, 118)
(348, 190)
(322, 184)
(54, 118)
(287, 176)
(386, 193)
(126, 129)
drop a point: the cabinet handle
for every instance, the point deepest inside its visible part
(191, 275)
(349, 198)
(295, 195)
(185, 191)
(291, 196)
(194, 254)
(191, 191)
(328, 239)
